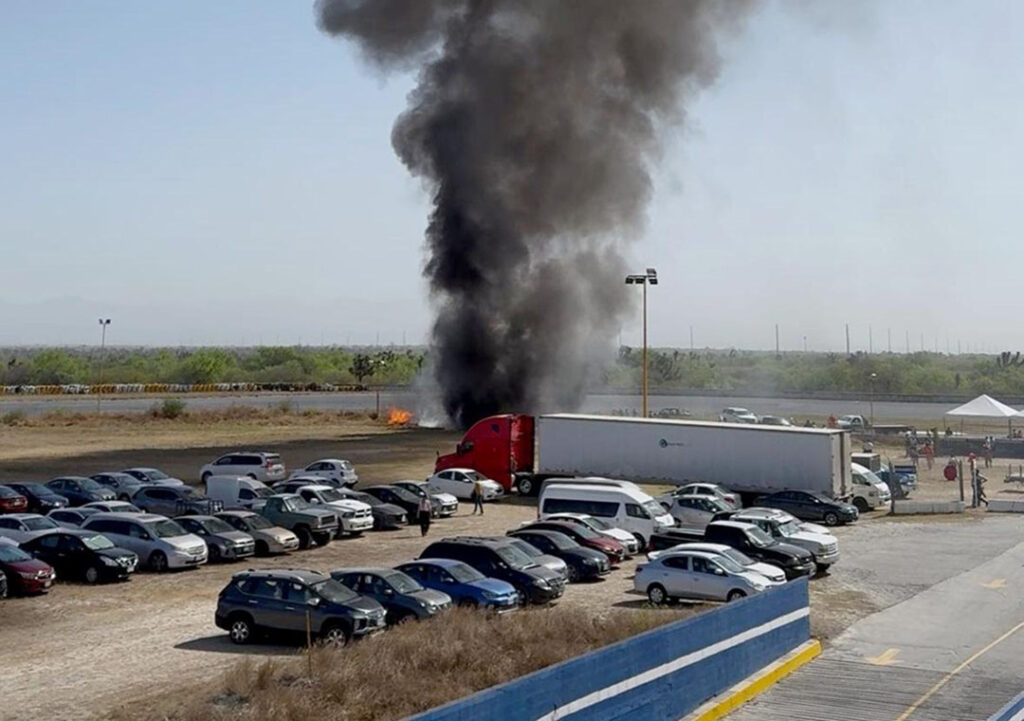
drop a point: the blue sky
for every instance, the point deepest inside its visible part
(221, 172)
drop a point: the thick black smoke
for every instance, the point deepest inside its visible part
(534, 124)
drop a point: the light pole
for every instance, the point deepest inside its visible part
(872, 399)
(650, 277)
(104, 322)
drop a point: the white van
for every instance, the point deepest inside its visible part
(620, 503)
(237, 492)
(869, 491)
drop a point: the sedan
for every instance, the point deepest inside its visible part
(114, 506)
(72, 517)
(585, 537)
(598, 525)
(123, 484)
(697, 575)
(40, 498)
(223, 542)
(701, 489)
(337, 471)
(402, 597)
(812, 507)
(406, 500)
(25, 575)
(443, 504)
(88, 556)
(539, 558)
(12, 502)
(80, 490)
(268, 537)
(768, 570)
(20, 527)
(153, 475)
(466, 585)
(460, 482)
(584, 564)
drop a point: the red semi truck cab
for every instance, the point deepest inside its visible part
(499, 447)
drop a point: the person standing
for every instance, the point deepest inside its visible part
(424, 514)
(987, 448)
(929, 454)
(981, 490)
(478, 497)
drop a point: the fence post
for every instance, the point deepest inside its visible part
(960, 477)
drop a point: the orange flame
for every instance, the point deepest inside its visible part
(398, 416)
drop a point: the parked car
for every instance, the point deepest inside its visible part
(466, 585)
(442, 504)
(406, 500)
(310, 523)
(11, 501)
(25, 575)
(701, 489)
(88, 556)
(699, 575)
(260, 466)
(869, 491)
(285, 600)
(852, 422)
(737, 415)
(552, 563)
(402, 597)
(114, 506)
(584, 564)
(598, 525)
(159, 542)
(268, 537)
(223, 542)
(768, 570)
(3, 585)
(460, 483)
(354, 516)
(386, 516)
(583, 536)
(72, 517)
(774, 421)
(696, 511)
(153, 475)
(121, 483)
(80, 490)
(809, 506)
(336, 470)
(785, 528)
(497, 558)
(20, 527)
(175, 501)
(40, 498)
(237, 491)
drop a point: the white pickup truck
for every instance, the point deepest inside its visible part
(788, 529)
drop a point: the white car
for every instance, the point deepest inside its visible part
(701, 489)
(159, 542)
(339, 472)
(772, 573)
(266, 467)
(598, 525)
(696, 512)
(113, 506)
(21, 527)
(852, 422)
(737, 415)
(354, 516)
(697, 575)
(444, 504)
(786, 528)
(460, 481)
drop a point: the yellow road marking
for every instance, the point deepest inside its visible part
(946, 679)
(995, 583)
(886, 658)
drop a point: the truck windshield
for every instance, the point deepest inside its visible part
(871, 478)
(654, 509)
(758, 537)
(262, 492)
(330, 496)
(789, 528)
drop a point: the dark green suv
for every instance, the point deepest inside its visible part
(278, 600)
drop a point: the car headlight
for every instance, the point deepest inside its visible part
(541, 583)
(591, 562)
(488, 596)
(107, 560)
(758, 586)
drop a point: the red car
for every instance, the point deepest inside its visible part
(585, 537)
(25, 575)
(11, 502)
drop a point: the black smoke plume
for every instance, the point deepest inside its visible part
(534, 125)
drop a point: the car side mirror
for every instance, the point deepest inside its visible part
(146, 537)
(389, 592)
(719, 572)
(314, 500)
(313, 602)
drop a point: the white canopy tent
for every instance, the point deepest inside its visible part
(986, 407)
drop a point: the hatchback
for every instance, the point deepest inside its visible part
(697, 575)
(72, 517)
(466, 585)
(88, 556)
(12, 502)
(223, 542)
(402, 597)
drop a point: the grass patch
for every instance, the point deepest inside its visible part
(170, 408)
(413, 668)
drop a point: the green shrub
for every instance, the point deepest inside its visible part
(170, 408)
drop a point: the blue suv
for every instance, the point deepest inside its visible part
(466, 585)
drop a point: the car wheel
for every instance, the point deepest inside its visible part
(823, 567)
(831, 519)
(861, 505)
(206, 477)
(468, 603)
(322, 539)
(405, 618)
(240, 629)
(335, 635)
(641, 541)
(735, 595)
(526, 486)
(262, 549)
(305, 537)
(214, 554)
(158, 561)
(91, 575)
(656, 594)
(574, 574)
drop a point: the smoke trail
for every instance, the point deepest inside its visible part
(534, 123)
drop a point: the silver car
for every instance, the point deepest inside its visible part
(223, 542)
(158, 541)
(268, 537)
(21, 527)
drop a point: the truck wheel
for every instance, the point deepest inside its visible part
(735, 595)
(305, 537)
(656, 594)
(831, 519)
(322, 539)
(527, 486)
(861, 504)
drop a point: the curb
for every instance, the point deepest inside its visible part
(756, 684)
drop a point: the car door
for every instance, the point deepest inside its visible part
(296, 606)
(675, 576)
(809, 507)
(164, 501)
(687, 513)
(266, 602)
(707, 584)
(73, 555)
(48, 549)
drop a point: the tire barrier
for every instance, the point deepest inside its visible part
(141, 388)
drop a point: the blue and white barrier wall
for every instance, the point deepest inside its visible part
(660, 675)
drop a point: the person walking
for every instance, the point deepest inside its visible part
(981, 489)
(424, 513)
(478, 497)
(929, 454)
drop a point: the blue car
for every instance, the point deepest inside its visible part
(466, 585)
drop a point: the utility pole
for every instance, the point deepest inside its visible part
(871, 341)
(847, 339)
(888, 333)
(776, 339)
(691, 339)
(908, 341)
(104, 322)
(648, 278)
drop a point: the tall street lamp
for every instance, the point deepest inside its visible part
(872, 399)
(648, 278)
(104, 322)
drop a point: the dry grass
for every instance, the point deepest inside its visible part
(410, 669)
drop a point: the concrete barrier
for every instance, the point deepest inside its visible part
(1002, 504)
(660, 675)
(911, 507)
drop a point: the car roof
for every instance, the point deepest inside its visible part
(196, 517)
(442, 562)
(237, 512)
(23, 516)
(375, 570)
(326, 460)
(563, 514)
(735, 524)
(543, 532)
(139, 517)
(302, 574)
(684, 551)
(70, 478)
(317, 487)
(701, 547)
(250, 453)
(285, 495)
(761, 512)
(477, 540)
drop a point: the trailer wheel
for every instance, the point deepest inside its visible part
(527, 486)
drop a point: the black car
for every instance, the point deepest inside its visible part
(497, 558)
(406, 500)
(281, 600)
(80, 490)
(402, 597)
(386, 516)
(85, 555)
(584, 563)
(123, 484)
(3, 585)
(812, 507)
(41, 499)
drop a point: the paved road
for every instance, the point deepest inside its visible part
(950, 653)
(706, 407)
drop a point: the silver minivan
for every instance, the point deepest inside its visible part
(159, 542)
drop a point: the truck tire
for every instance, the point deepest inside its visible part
(305, 537)
(262, 549)
(831, 519)
(861, 504)
(322, 538)
(527, 486)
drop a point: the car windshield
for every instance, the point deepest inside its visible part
(654, 508)
(166, 529)
(562, 543)
(597, 523)
(403, 583)
(583, 531)
(262, 492)
(334, 592)
(413, 488)
(527, 548)
(296, 504)
(463, 573)
(366, 498)
(474, 476)
(155, 475)
(258, 523)
(758, 537)
(738, 556)
(330, 495)
(871, 477)
(89, 484)
(215, 525)
(513, 557)
(39, 524)
(9, 553)
(728, 564)
(97, 542)
(789, 528)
